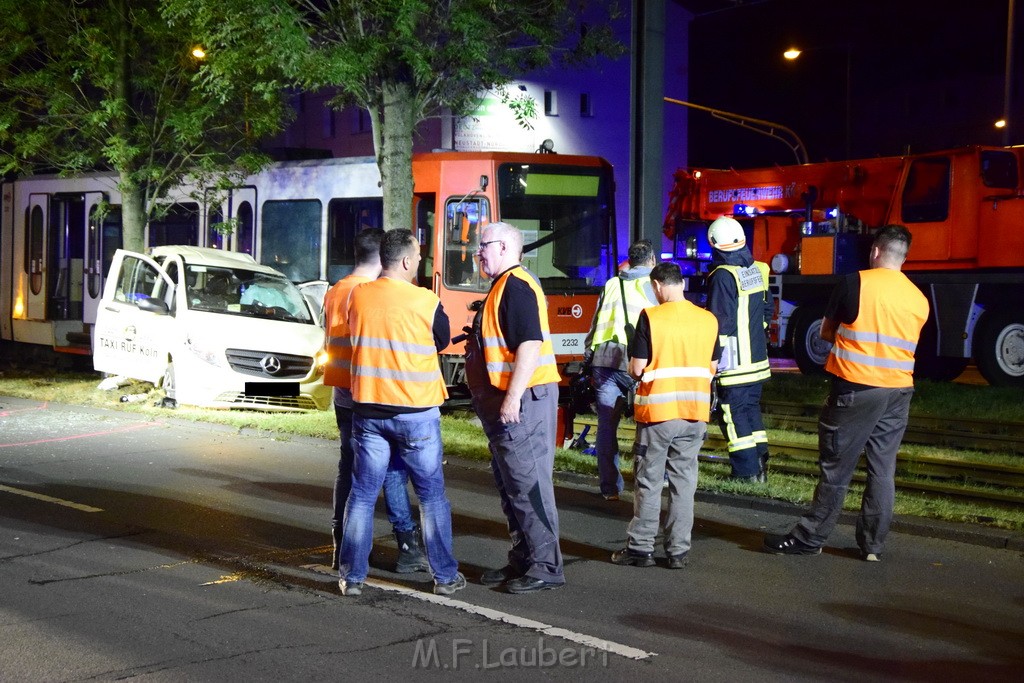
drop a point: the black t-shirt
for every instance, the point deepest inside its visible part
(518, 314)
(642, 347)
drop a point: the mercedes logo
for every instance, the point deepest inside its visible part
(270, 364)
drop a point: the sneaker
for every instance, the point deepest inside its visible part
(787, 544)
(350, 587)
(872, 557)
(677, 561)
(632, 558)
(456, 584)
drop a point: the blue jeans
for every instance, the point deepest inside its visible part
(610, 387)
(415, 439)
(396, 494)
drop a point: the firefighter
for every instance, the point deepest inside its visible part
(738, 296)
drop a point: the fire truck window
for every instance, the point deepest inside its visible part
(345, 219)
(999, 169)
(926, 194)
(464, 220)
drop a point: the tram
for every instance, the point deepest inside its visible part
(58, 236)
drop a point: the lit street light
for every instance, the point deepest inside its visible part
(794, 52)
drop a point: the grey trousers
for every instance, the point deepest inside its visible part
(871, 421)
(523, 462)
(662, 447)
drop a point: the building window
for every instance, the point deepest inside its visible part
(360, 120)
(586, 105)
(550, 103)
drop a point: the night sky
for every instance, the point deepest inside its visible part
(924, 75)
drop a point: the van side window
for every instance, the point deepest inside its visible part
(138, 280)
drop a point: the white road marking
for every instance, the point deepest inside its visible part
(50, 499)
(504, 617)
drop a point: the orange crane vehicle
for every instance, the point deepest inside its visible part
(814, 222)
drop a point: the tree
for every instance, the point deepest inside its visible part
(108, 84)
(401, 60)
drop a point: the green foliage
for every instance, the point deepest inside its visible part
(108, 84)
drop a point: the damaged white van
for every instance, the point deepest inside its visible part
(213, 328)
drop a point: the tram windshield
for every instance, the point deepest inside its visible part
(567, 218)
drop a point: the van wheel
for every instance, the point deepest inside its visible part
(168, 383)
(999, 348)
(809, 350)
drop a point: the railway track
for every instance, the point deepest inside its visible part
(963, 480)
(959, 433)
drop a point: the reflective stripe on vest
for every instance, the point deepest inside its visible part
(877, 349)
(394, 360)
(676, 384)
(337, 372)
(609, 324)
(751, 284)
(499, 360)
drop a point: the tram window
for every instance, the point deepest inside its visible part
(345, 219)
(215, 220)
(179, 225)
(244, 226)
(34, 261)
(425, 209)
(464, 220)
(290, 238)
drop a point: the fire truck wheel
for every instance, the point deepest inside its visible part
(809, 350)
(999, 348)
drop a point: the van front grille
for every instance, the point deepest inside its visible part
(259, 364)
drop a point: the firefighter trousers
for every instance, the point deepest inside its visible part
(739, 416)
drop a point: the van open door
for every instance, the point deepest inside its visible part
(133, 330)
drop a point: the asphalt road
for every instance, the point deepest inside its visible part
(170, 551)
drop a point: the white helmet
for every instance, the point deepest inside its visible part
(726, 234)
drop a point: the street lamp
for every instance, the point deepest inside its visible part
(793, 53)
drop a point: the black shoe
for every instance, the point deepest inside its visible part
(787, 544)
(632, 558)
(496, 577)
(677, 561)
(528, 584)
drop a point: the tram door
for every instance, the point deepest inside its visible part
(97, 227)
(35, 253)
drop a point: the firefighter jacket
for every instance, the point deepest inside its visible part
(676, 384)
(877, 349)
(738, 296)
(394, 359)
(607, 337)
(337, 372)
(499, 359)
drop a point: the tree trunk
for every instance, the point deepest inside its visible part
(394, 158)
(133, 216)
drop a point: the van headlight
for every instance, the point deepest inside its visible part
(212, 354)
(320, 361)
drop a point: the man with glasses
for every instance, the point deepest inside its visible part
(510, 368)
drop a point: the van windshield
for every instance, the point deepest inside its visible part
(237, 291)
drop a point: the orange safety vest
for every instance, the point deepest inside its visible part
(337, 372)
(394, 360)
(500, 360)
(676, 384)
(877, 349)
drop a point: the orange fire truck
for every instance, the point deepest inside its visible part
(814, 222)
